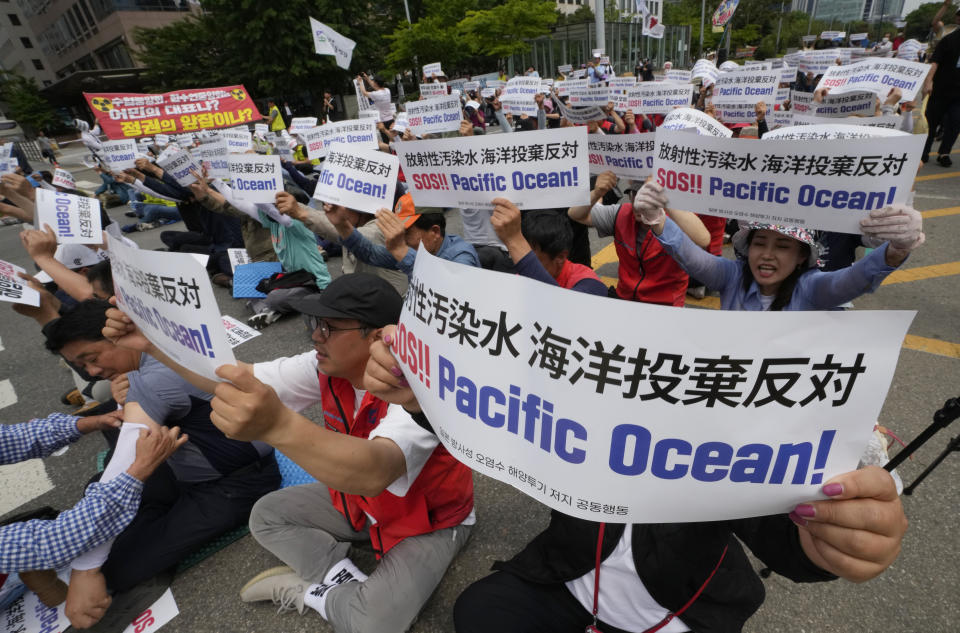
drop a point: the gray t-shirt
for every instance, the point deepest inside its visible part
(604, 217)
(477, 229)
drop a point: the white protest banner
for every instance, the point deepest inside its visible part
(621, 83)
(828, 184)
(400, 123)
(857, 37)
(758, 65)
(628, 156)
(597, 52)
(678, 76)
(659, 98)
(833, 130)
(740, 112)
(255, 178)
(485, 80)
(688, 118)
(847, 104)
(313, 142)
(908, 50)
(180, 165)
(730, 66)
(300, 123)
(162, 140)
(878, 76)
(832, 35)
(564, 87)
(471, 86)
(589, 95)
(120, 155)
(326, 41)
(437, 89)
(570, 414)
(706, 71)
(369, 114)
(63, 178)
(579, 116)
(238, 141)
(518, 97)
(359, 132)
(75, 219)
(238, 257)
(563, 69)
(261, 129)
(431, 70)
(578, 74)
(434, 116)
(818, 62)
(780, 118)
(746, 85)
(6, 150)
(486, 93)
(783, 95)
(169, 297)
(159, 614)
(13, 289)
(237, 332)
(788, 74)
(890, 121)
(213, 157)
(9, 165)
(604, 59)
(801, 102)
(359, 179)
(541, 169)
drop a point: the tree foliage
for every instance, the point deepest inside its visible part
(26, 106)
(504, 30)
(920, 19)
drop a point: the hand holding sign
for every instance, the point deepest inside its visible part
(39, 244)
(649, 204)
(48, 308)
(245, 409)
(899, 224)
(383, 376)
(855, 534)
(123, 332)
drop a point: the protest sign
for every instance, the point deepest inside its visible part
(213, 157)
(834, 105)
(63, 178)
(359, 132)
(75, 219)
(758, 65)
(832, 130)
(597, 52)
(564, 87)
(181, 165)
(127, 115)
(620, 83)
(579, 116)
(740, 112)
(437, 89)
(746, 85)
(326, 41)
(833, 35)
(486, 80)
(857, 37)
(588, 95)
(910, 49)
(374, 115)
(238, 257)
(780, 118)
(300, 123)
(580, 73)
(434, 116)
(261, 129)
(878, 76)
(563, 69)
(120, 155)
(471, 86)
(13, 289)
(660, 424)
(605, 59)
(431, 70)
(828, 184)
(706, 71)
(6, 150)
(518, 96)
(658, 98)
(678, 76)
(688, 118)
(169, 297)
(9, 165)
(629, 156)
(535, 170)
(357, 178)
(818, 62)
(400, 122)
(783, 95)
(237, 332)
(255, 178)
(890, 121)
(238, 141)
(788, 74)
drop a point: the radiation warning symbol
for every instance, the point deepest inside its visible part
(102, 103)
(238, 94)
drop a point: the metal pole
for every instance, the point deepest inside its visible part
(812, 13)
(776, 49)
(601, 36)
(703, 8)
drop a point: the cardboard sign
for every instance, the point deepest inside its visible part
(255, 178)
(434, 116)
(13, 289)
(572, 415)
(75, 219)
(746, 85)
(689, 118)
(828, 184)
(213, 157)
(120, 155)
(300, 123)
(63, 178)
(535, 170)
(628, 156)
(519, 96)
(359, 179)
(438, 89)
(678, 76)
(169, 297)
(431, 70)
(878, 76)
(326, 41)
(181, 165)
(237, 332)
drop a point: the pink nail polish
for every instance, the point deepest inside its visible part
(832, 490)
(805, 510)
(396, 372)
(796, 519)
(403, 381)
(387, 339)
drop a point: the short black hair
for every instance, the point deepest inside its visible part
(103, 273)
(82, 323)
(427, 220)
(547, 230)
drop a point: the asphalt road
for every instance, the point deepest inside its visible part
(918, 593)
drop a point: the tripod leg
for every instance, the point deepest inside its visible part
(953, 445)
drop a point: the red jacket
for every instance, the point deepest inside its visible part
(647, 272)
(571, 274)
(440, 497)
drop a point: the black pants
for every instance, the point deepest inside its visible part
(175, 241)
(943, 114)
(493, 258)
(505, 603)
(175, 519)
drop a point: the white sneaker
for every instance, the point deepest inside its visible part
(280, 585)
(261, 320)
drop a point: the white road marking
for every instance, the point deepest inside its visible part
(22, 483)
(7, 395)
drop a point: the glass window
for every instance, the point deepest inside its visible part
(37, 64)
(26, 42)
(14, 20)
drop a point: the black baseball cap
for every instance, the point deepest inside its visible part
(361, 296)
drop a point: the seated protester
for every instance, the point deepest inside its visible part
(539, 243)
(478, 232)
(780, 269)
(404, 230)
(383, 477)
(152, 211)
(67, 264)
(612, 124)
(206, 489)
(318, 222)
(646, 272)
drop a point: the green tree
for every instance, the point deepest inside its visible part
(920, 19)
(583, 14)
(26, 106)
(504, 30)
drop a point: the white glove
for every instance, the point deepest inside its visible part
(649, 204)
(898, 224)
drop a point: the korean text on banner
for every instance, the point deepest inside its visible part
(120, 155)
(828, 184)
(181, 165)
(688, 118)
(879, 76)
(746, 85)
(573, 416)
(326, 41)
(255, 178)
(535, 170)
(13, 289)
(169, 297)
(629, 156)
(360, 179)
(433, 116)
(75, 219)
(126, 115)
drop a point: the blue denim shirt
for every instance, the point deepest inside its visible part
(452, 249)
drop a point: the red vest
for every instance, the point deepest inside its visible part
(647, 272)
(716, 226)
(571, 274)
(440, 497)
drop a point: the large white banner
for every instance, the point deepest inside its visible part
(13, 289)
(169, 297)
(607, 421)
(535, 170)
(359, 132)
(628, 156)
(360, 179)
(748, 85)
(255, 178)
(326, 41)
(826, 184)
(120, 155)
(75, 219)
(878, 76)
(580, 116)
(434, 116)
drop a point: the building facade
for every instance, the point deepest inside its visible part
(20, 49)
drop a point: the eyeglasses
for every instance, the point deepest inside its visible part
(325, 329)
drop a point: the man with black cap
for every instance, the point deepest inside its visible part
(383, 477)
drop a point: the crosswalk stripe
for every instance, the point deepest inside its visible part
(8, 395)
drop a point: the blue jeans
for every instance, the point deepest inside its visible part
(155, 212)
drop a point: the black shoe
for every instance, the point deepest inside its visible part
(130, 214)
(944, 160)
(925, 158)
